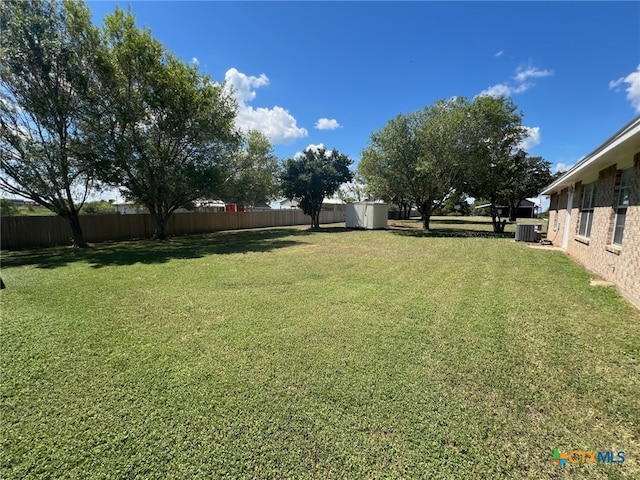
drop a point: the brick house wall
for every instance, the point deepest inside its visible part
(557, 215)
(617, 264)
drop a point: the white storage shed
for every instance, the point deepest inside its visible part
(367, 215)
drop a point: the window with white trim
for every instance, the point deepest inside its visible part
(621, 208)
(586, 210)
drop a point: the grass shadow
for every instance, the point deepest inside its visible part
(449, 233)
(149, 251)
(332, 229)
(462, 221)
(218, 243)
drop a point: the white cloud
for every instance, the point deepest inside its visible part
(195, 61)
(244, 86)
(532, 139)
(614, 84)
(633, 90)
(316, 147)
(523, 74)
(562, 167)
(518, 84)
(498, 90)
(327, 124)
(276, 123)
(313, 147)
(505, 90)
(499, 54)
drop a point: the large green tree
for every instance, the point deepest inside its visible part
(495, 126)
(47, 53)
(312, 176)
(166, 132)
(254, 174)
(387, 161)
(527, 176)
(419, 158)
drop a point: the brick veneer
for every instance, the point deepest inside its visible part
(620, 265)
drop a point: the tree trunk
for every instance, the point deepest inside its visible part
(161, 222)
(513, 211)
(315, 219)
(77, 234)
(425, 221)
(498, 226)
(425, 214)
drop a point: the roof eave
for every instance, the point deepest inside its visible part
(598, 155)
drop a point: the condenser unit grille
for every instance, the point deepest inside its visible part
(525, 233)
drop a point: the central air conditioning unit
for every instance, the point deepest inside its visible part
(367, 215)
(527, 232)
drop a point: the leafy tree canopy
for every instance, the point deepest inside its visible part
(166, 132)
(526, 177)
(418, 158)
(47, 53)
(254, 175)
(314, 175)
(495, 129)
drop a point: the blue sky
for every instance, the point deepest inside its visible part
(308, 73)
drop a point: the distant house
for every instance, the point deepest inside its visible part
(327, 204)
(261, 207)
(205, 206)
(126, 207)
(333, 204)
(286, 203)
(232, 207)
(526, 209)
(21, 202)
(594, 212)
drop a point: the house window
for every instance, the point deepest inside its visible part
(586, 211)
(621, 209)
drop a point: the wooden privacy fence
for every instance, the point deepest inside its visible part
(34, 232)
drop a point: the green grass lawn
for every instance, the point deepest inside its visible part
(285, 353)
